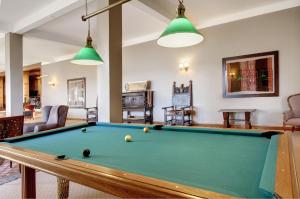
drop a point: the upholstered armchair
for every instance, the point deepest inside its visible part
(52, 117)
(292, 117)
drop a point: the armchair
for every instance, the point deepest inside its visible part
(52, 117)
(181, 111)
(292, 117)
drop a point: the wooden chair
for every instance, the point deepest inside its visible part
(181, 112)
(92, 113)
(11, 127)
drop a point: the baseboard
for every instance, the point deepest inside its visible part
(215, 125)
(77, 119)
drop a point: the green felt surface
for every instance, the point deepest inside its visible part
(227, 163)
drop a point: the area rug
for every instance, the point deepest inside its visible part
(8, 174)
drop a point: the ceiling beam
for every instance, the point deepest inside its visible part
(51, 11)
(155, 9)
(53, 37)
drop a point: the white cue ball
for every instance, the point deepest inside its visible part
(128, 138)
(146, 129)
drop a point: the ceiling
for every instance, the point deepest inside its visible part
(19, 9)
(53, 29)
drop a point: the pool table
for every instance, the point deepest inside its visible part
(166, 162)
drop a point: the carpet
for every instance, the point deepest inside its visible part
(8, 174)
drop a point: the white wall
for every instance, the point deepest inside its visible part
(59, 73)
(276, 31)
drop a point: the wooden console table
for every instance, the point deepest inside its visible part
(227, 112)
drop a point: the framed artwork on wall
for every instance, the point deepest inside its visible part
(254, 75)
(76, 93)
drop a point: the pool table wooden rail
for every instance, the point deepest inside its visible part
(115, 182)
(129, 185)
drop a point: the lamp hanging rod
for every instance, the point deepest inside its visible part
(85, 17)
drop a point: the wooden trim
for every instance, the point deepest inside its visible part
(115, 182)
(276, 75)
(295, 177)
(76, 119)
(284, 184)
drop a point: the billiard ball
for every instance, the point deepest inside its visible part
(86, 153)
(146, 129)
(128, 138)
(83, 130)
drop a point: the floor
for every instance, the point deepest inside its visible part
(46, 184)
(46, 189)
(296, 147)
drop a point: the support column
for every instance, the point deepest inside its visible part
(14, 74)
(26, 86)
(110, 73)
(2, 92)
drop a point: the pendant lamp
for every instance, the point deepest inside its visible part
(87, 55)
(180, 32)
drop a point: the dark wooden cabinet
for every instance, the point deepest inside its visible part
(138, 107)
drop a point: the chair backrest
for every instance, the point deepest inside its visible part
(294, 104)
(62, 115)
(46, 113)
(58, 115)
(11, 126)
(182, 96)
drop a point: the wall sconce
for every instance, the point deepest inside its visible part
(184, 66)
(232, 74)
(51, 83)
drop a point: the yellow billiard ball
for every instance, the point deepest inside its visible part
(128, 138)
(146, 129)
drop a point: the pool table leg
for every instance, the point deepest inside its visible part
(62, 188)
(28, 182)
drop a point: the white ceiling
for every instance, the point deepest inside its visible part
(68, 28)
(12, 11)
(53, 28)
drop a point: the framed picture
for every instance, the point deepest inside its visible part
(76, 93)
(255, 75)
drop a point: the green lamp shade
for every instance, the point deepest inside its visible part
(87, 56)
(180, 33)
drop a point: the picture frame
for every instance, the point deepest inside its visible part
(77, 93)
(253, 75)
